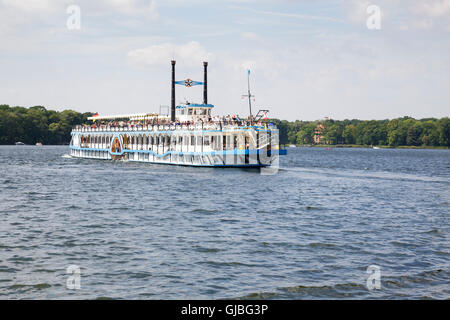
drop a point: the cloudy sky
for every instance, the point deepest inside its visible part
(308, 59)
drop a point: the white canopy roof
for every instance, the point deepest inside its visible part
(136, 116)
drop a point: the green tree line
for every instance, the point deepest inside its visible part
(37, 124)
(404, 131)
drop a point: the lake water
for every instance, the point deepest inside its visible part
(142, 231)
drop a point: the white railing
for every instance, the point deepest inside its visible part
(167, 127)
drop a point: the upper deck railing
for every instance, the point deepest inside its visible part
(166, 127)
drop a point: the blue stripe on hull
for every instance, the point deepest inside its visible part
(205, 165)
(210, 153)
(187, 164)
(226, 152)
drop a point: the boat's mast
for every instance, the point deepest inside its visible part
(172, 101)
(250, 96)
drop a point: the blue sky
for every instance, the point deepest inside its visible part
(309, 59)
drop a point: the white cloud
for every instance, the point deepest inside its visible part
(430, 14)
(139, 8)
(251, 36)
(356, 10)
(287, 14)
(298, 71)
(28, 20)
(403, 14)
(134, 7)
(17, 14)
(33, 5)
(189, 54)
(263, 62)
(432, 8)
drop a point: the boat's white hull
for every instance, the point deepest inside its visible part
(232, 147)
(233, 158)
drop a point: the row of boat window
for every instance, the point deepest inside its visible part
(191, 111)
(216, 141)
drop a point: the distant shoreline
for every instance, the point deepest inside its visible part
(335, 146)
(367, 146)
(49, 127)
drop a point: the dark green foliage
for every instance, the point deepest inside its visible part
(37, 124)
(306, 133)
(404, 131)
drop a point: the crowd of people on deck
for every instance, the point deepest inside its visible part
(221, 121)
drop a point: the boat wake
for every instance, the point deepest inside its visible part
(361, 174)
(66, 156)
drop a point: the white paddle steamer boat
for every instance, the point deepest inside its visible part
(190, 136)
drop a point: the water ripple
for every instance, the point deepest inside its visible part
(140, 231)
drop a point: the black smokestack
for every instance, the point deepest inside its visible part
(172, 108)
(205, 82)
